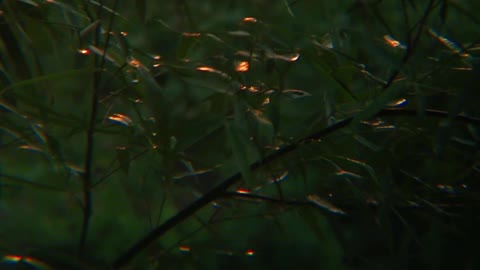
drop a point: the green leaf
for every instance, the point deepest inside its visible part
(49, 77)
(262, 126)
(239, 148)
(369, 169)
(186, 45)
(391, 94)
(367, 143)
(29, 2)
(324, 204)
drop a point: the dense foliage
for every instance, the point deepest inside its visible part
(253, 134)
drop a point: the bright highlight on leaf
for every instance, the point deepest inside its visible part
(186, 34)
(207, 69)
(250, 252)
(121, 119)
(324, 204)
(242, 66)
(251, 89)
(249, 20)
(279, 177)
(242, 191)
(287, 57)
(135, 63)
(22, 262)
(398, 103)
(212, 70)
(101, 53)
(295, 93)
(184, 249)
(448, 43)
(390, 41)
(31, 147)
(84, 51)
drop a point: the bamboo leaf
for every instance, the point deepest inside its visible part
(239, 149)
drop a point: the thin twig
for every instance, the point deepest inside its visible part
(116, 169)
(431, 113)
(87, 176)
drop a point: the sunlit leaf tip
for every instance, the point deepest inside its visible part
(84, 51)
(121, 119)
(22, 262)
(324, 204)
(188, 34)
(242, 191)
(390, 41)
(184, 249)
(134, 63)
(249, 20)
(250, 252)
(283, 57)
(398, 103)
(242, 66)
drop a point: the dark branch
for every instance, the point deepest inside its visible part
(87, 176)
(430, 113)
(214, 194)
(220, 189)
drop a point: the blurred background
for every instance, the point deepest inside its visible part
(136, 109)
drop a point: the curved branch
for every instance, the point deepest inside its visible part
(214, 194)
(431, 113)
(219, 190)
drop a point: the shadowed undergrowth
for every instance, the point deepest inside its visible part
(259, 134)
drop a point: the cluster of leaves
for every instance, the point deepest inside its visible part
(261, 134)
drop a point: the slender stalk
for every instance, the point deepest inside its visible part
(89, 157)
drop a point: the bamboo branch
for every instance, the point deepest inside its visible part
(219, 190)
(87, 176)
(213, 194)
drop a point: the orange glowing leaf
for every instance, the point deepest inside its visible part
(390, 41)
(242, 66)
(249, 20)
(243, 191)
(121, 119)
(206, 69)
(135, 63)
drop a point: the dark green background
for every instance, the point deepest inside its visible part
(397, 191)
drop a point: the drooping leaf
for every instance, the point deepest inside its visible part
(394, 92)
(263, 128)
(295, 93)
(324, 204)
